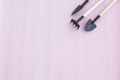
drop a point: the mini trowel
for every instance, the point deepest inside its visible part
(91, 23)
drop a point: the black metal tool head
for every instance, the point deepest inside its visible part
(90, 25)
(79, 7)
(75, 23)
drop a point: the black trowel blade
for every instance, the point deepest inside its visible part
(90, 25)
(77, 10)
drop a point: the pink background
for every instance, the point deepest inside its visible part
(38, 43)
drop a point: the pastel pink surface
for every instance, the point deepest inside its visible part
(38, 43)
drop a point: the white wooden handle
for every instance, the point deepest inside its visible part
(91, 9)
(108, 7)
